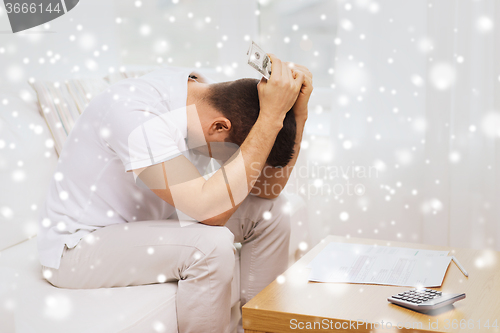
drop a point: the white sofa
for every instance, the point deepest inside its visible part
(30, 304)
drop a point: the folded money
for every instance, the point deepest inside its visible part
(259, 60)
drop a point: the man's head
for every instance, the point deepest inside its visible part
(234, 108)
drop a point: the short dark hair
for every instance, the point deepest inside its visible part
(238, 101)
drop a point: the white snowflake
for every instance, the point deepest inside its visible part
(442, 75)
(344, 216)
(57, 307)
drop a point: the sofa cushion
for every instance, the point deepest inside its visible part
(31, 304)
(61, 103)
(27, 161)
(131, 73)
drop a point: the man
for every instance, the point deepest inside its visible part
(103, 227)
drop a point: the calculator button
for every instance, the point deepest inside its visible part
(418, 302)
(397, 297)
(425, 299)
(401, 294)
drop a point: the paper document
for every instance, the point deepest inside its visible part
(372, 264)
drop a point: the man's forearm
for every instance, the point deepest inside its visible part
(273, 180)
(238, 176)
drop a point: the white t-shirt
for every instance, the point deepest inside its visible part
(135, 123)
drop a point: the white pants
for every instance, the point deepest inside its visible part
(199, 257)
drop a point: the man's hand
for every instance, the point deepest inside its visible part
(300, 106)
(278, 94)
(275, 179)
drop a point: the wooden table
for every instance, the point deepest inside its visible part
(346, 307)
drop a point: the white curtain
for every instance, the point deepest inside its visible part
(416, 96)
(463, 140)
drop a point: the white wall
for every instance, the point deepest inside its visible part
(52, 43)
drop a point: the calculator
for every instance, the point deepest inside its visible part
(424, 300)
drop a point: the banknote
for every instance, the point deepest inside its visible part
(259, 60)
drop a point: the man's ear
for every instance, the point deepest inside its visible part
(220, 125)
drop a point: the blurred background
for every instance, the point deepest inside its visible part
(403, 136)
